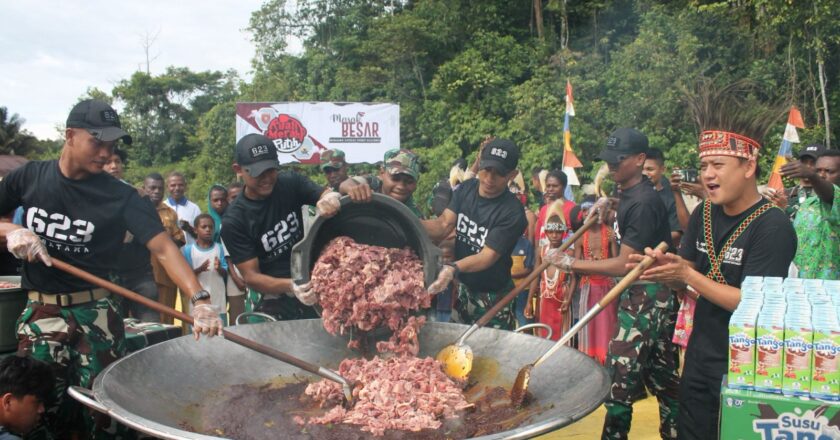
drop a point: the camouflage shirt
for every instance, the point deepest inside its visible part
(817, 225)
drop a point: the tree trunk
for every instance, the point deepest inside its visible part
(821, 73)
(538, 17)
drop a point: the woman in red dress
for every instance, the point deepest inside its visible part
(597, 243)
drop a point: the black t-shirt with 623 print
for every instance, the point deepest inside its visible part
(267, 229)
(82, 222)
(497, 223)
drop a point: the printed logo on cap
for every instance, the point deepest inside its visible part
(499, 152)
(110, 116)
(259, 150)
(612, 141)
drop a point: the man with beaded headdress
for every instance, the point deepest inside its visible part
(735, 233)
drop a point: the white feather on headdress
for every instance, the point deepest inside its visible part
(456, 175)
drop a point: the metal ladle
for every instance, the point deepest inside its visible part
(457, 358)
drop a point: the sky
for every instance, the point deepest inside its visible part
(53, 51)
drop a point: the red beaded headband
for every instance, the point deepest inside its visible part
(724, 143)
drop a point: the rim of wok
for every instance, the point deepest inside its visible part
(147, 426)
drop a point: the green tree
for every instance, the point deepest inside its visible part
(162, 112)
(13, 138)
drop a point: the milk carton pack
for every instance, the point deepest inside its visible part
(797, 358)
(825, 375)
(770, 339)
(742, 331)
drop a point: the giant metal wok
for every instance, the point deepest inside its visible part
(162, 388)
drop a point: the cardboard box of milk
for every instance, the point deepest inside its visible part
(741, 371)
(799, 337)
(769, 357)
(825, 376)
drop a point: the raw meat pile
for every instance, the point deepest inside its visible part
(367, 287)
(405, 393)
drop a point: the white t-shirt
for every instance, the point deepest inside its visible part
(187, 212)
(210, 280)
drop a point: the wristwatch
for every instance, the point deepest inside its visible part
(200, 295)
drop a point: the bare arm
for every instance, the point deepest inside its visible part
(261, 282)
(240, 283)
(613, 267)
(478, 262)
(440, 228)
(682, 210)
(163, 248)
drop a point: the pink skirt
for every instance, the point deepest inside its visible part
(594, 339)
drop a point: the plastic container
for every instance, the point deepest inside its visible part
(12, 302)
(382, 222)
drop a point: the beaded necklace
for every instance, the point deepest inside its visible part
(716, 260)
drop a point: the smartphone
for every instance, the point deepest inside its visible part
(688, 175)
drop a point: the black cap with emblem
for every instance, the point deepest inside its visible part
(500, 154)
(256, 153)
(813, 151)
(623, 142)
(99, 119)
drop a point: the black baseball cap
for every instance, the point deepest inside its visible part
(256, 153)
(813, 151)
(501, 154)
(99, 119)
(623, 142)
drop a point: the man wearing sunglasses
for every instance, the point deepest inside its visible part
(646, 310)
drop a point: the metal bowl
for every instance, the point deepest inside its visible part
(157, 389)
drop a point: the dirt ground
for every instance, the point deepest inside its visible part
(645, 424)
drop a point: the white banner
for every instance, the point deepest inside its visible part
(302, 130)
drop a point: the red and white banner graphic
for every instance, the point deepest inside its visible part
(302, 130)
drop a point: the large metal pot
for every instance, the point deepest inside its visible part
(157, 389)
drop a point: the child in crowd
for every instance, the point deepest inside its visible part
(598, 243)
(207, 260)
(25, 383)
(217, 203)
(555, 287)
(523, 263)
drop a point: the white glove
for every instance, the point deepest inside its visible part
(25, 245)
(600, 209)
(446, 275)
(206, 320)
(561, 260)
(329, 205)
(305, 294)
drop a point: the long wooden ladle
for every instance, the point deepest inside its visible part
(346, 385)
(520, 385)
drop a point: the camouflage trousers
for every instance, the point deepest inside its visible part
(284, 307)
(78, 342)
(471, 305)
(642, 355)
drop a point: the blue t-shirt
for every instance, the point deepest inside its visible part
(524, 248)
